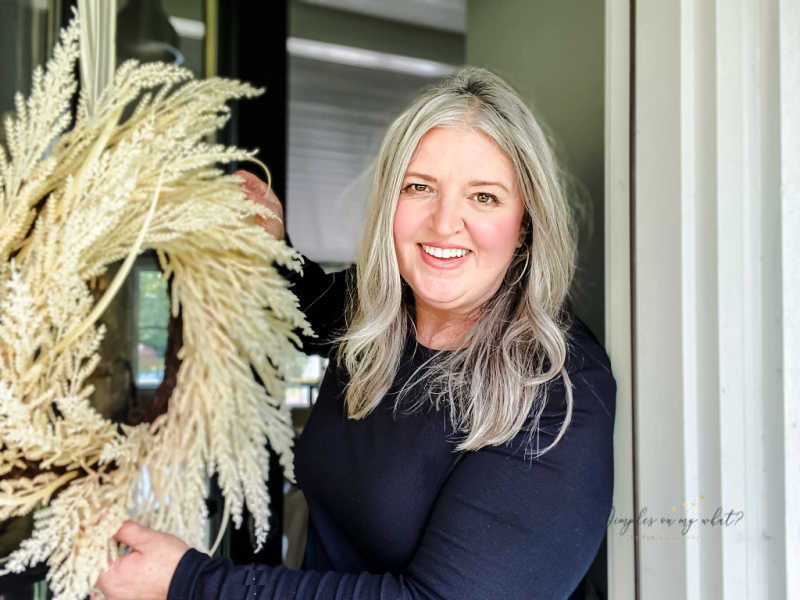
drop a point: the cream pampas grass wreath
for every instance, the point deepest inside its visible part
(71, 203)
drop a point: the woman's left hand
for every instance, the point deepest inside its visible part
(260, 192)
(145, 572)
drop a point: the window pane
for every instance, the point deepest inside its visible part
(151, 323)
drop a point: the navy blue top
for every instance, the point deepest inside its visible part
(396, 513)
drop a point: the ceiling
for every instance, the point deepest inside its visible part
(447, 15)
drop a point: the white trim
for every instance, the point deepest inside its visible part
(789, 57)
(621, 549)
(732, 183)
(712, 266)
(748, 204)
(699, 289)
(359, 57)
(658, 337)
(692, 180)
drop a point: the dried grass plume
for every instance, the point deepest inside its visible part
(74, 201)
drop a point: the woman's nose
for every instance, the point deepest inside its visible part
(447, 216)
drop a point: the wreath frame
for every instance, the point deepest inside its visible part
(74, 201)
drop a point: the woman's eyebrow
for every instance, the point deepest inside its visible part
(421, 176)
(476, 183)
(485, 183)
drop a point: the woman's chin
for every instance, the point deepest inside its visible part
(440, 300)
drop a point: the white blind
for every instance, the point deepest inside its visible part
(338, 115)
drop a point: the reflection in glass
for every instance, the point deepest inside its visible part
(145, 33)
(28, 29)
(152, 311)
(303, 378)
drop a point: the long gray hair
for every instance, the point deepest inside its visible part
(495, 385)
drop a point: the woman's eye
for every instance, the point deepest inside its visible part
(416, 187)
(484, 198)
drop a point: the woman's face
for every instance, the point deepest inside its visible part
(458, 219)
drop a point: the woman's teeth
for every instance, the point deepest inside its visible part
(444, 252)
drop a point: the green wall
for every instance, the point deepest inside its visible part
(323, 24)
(552, 52)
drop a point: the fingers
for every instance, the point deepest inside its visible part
(256, 190)
(251, 178)
(132, 534)
(147, 571)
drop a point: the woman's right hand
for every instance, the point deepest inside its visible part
(260, 192)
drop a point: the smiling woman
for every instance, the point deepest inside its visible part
(453, 237)
(468, 167)
(461, 444)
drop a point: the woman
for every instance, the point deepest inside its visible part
(461, 444)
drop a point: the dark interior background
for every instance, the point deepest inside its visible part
(336, 73)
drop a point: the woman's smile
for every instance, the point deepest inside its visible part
(458, 219)
(440, 257)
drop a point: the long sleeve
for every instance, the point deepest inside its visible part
(503, 525)
(323, 298)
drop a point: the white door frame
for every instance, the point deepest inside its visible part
(618, 326)
(702, 230)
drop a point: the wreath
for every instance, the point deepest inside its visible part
(135, 172)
